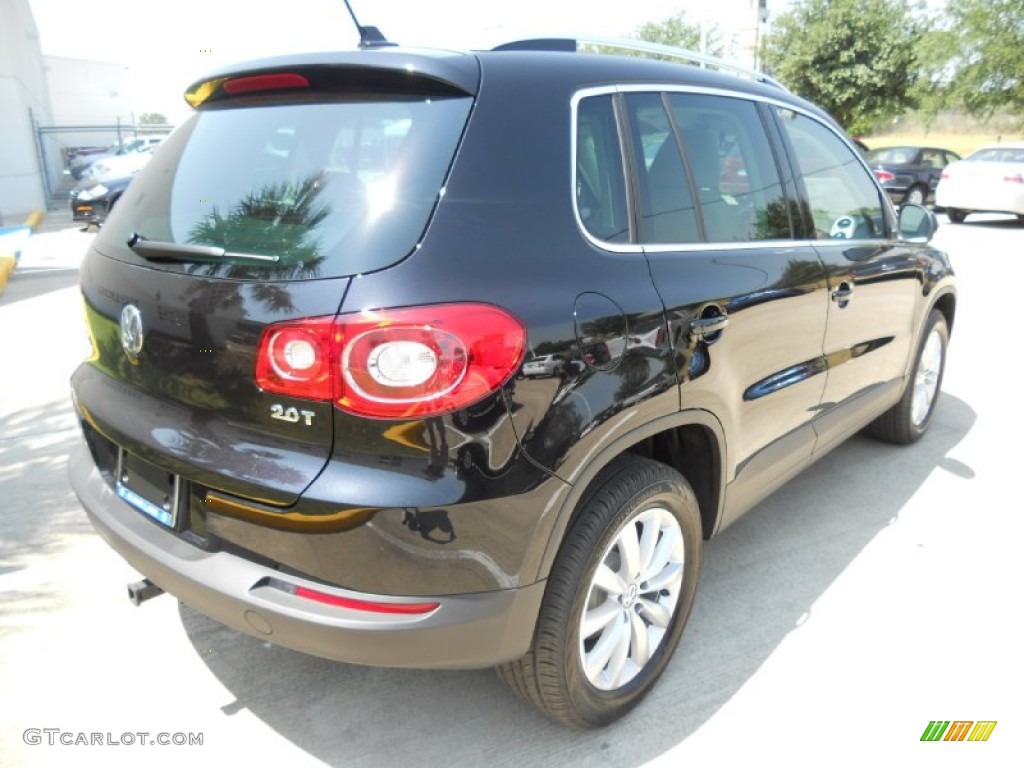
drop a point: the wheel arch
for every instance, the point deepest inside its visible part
(691, 442)
(946, 304)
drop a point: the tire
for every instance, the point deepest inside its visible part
(588, 678)
(916, 195)
(956, 215)
(908, 420)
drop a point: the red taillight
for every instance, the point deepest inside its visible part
(271, 82)
(1014, 178)
(297, 359)
(365, 605)
(397, 363)
(425, 361)
(884, 175)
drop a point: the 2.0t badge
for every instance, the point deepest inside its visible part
(131, 331)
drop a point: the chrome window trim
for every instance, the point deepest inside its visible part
(573, 148)
(747, 245)
(624, 248)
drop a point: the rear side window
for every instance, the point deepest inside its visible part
(933, 158)
(330, 189)
(600, 184)
(845, 203)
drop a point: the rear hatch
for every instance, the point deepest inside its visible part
(293, 177)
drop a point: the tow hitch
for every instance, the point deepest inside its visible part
(141, 591)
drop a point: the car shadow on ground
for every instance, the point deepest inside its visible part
(37, 505)
(992, 223)
(28, 285)
(760, 581)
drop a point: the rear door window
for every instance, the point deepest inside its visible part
(330, 189)
(734, 168)
(706, 170)
(665, 199)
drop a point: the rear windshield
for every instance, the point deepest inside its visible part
(998, 155)
(894, 155)
(330, 189)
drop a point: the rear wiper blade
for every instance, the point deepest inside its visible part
(157, 250)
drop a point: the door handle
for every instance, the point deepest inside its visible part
(843, 294)
(706, 328)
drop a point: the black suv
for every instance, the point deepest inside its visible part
(311, 413)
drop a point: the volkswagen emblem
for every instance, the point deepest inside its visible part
(131, 331)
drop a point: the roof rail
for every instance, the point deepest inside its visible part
(572, 44)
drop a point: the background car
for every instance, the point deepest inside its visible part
(990, 180)
(80, 165)
(93, 199)
(909, 174)
(548, 365)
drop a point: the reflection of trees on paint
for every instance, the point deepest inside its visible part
(802, 273)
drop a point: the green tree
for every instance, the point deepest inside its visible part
(152, 118)
(857, 59)
(983, 42)
(681, 33)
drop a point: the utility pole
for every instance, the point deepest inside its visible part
(761, 21)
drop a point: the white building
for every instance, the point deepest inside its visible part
(87, 92)
(24, 96)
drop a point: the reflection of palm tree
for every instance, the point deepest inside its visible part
(773, 221)
(278, 220)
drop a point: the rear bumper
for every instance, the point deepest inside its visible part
(982, 202)
(465, 631)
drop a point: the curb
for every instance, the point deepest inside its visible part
(7, 262)
(11, 241)
(35, 219)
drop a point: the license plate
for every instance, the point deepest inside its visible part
(153, 491)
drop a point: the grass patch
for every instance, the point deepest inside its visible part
(962, 144)
(960, 133)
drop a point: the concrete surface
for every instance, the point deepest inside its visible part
(880, 590)
(14, 240)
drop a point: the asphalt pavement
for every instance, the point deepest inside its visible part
(879, 591)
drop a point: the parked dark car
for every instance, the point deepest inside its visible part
(93, 199)
(92, 202)
(305, 412)
(910, 174)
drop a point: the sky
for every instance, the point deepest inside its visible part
(170, 44)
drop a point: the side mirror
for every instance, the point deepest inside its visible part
(917, 224)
